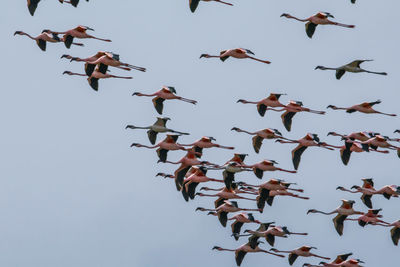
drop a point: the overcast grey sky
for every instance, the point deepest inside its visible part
(72, 191)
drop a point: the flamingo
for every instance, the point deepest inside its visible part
(353, 67)
(89, 68)
(335, 263)
(194, 3)
(321, 18)
(366, 107)
(80, 33)
(223, 210)
(186, 163)
(389, 191)
(74, 3)
(346, 209)
(377, 141)
(352, 263)
(103, 59)
(158, 127)
(291, 109)
(264, 104)
(350, 147)
(307, 141)
(249, 247)
(239, 53)
(272, 194)
(93, 79)
(304, 251)
(367, 191)
(361, 136)
(259, 136)
(371, 217)
(165, 93)
(265, 165)
(193, 180)
(272, 232)
(169, 143)
(43, 38)
(206, 142)
(240, 220)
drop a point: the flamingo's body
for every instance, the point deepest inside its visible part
(45, 37)
(304, 251)
(80, 33)
(259, 136)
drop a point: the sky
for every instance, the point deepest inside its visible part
(73, 192)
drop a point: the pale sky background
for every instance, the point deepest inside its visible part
(72, 191)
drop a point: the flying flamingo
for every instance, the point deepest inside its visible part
(272, 232)
(80, 33)
(186, 163)
(165, 93)
(192, 181)
(352, 263)
(264, 104)
(367, 191)
(103, 59)
(350, 147)
(304, 251)
(377, 141)
(335, 263)
(239, 53)
(291, 109)
(89, 68)
(194, 3)
(43, 38)
(223, 210)
(361, 136)
(232, 191)
(158, 127)
(206, 142)
(95, 77)
(366, 107)
(321, 18)
(240, 220)
(272, 194)
(263, 166)
(371, 217)
(249, 247)
(346, 209)
(353, 67)
(389, 191)
(169, 143)
(259, 136)
(307, 141)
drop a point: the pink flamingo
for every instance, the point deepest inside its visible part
(165, 93)
(345, 210)
(240, 220)
(43, 38)
(365, 107)
(94, 78)
(304, 251)
(307, 141)
(321, 18)
(239, 53)
(291, 109)
(265, 165)
(169, 143)
(264, 104)
(206, 142)
(371, 217)
(250, 247)
(80, 33)
(259, 136)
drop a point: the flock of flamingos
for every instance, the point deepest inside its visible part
(193, 170)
